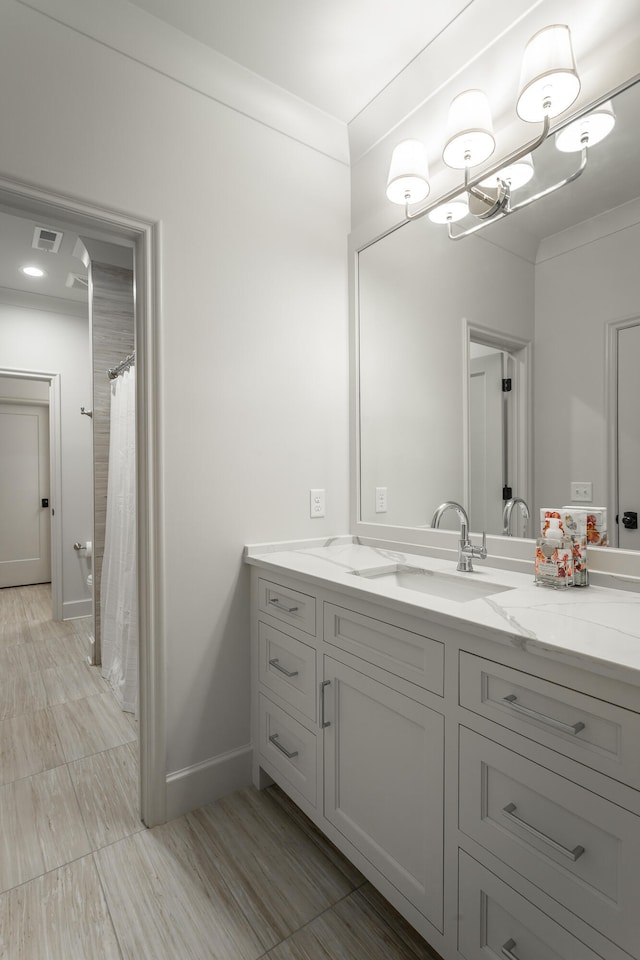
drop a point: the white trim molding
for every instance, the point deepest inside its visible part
(205, 782)
(74, 609)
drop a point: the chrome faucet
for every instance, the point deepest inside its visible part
(466, 549)
(508, 511)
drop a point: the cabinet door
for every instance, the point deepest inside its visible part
(383, 763)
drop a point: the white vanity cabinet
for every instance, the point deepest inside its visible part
(492, 795)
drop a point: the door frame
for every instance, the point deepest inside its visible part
(612, 327)
(521, 435)
(145, 237)
(55, 476)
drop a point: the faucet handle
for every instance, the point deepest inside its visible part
(483, 548)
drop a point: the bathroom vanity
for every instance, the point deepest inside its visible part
(469, 740)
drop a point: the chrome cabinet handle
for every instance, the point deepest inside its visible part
(507, 950)
(573, 855)
(289, 754)
(572, 728)
(323, 722)
(281, 606)
(278, 666)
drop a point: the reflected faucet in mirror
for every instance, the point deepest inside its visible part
(466, 549)
(508, 512)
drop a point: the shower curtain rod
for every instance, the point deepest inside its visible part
(123, 365)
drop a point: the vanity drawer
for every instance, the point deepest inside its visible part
(289, 747)
(298, 609)
(598, 734)
(579, 848)
(496, 922)
(401, 652)
(288, 668)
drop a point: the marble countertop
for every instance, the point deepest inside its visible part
(596, 628)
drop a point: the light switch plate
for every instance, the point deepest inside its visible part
(316, 503)
(582, 491)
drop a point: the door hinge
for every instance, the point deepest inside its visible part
(506, 385)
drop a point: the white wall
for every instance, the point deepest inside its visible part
(39, 340)
(590, 276)
(416, 288)
(253, 330)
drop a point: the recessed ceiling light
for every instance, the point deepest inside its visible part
(33, 271)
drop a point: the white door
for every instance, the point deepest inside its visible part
(383, 765)
(486, 443)
(628, 435)
(25, 526)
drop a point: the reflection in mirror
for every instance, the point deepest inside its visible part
(555, 289)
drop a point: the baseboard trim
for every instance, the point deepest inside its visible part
(74, 609)
(207, 781)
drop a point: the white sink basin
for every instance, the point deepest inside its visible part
(460, 587)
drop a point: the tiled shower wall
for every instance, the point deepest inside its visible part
(113, 339)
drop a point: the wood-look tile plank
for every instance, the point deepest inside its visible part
(351, 930)
(40, 826)
(72, 681)
(56, 649)
(14, 632)
(23, 694)
(106, 786)
(29, 744)
(167, 899)
(36, 600)
(59, 916)
(278, 875)
(11, 605)
(295, 814)
(16, 661)
(90, 725)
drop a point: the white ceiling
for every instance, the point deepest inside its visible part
(16, 250)
(337, 55)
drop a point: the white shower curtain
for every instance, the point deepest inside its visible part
(119, 596)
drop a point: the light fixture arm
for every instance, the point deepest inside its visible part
(528, 200)
(471, 185)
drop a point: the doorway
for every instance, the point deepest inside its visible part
(143, 237)
(623, 403)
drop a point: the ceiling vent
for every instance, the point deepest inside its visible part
(47, 239)
(76, 282)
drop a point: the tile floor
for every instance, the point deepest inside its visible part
(244, 878)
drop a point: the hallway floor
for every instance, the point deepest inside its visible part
(82, 879)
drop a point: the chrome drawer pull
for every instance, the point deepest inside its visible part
(281, 606)
(572, 728)
(275, 741)
(507, 950)
(570, 854)
(323, 722)
(278, 666)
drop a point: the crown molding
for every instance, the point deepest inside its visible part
(141, 37)
(39, 301)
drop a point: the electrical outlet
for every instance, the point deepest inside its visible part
(381, 500)
(316, 503)
(582, 491)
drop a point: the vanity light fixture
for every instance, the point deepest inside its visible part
(31, 271)
(549, 85)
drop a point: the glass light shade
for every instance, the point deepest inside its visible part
(449, 212)
(589, 130)
(469, 131)
(549, 81)
(516, 174)
(408, 180)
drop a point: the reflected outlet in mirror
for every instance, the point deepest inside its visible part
(447, 586)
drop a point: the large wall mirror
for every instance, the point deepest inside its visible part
(548, 299)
